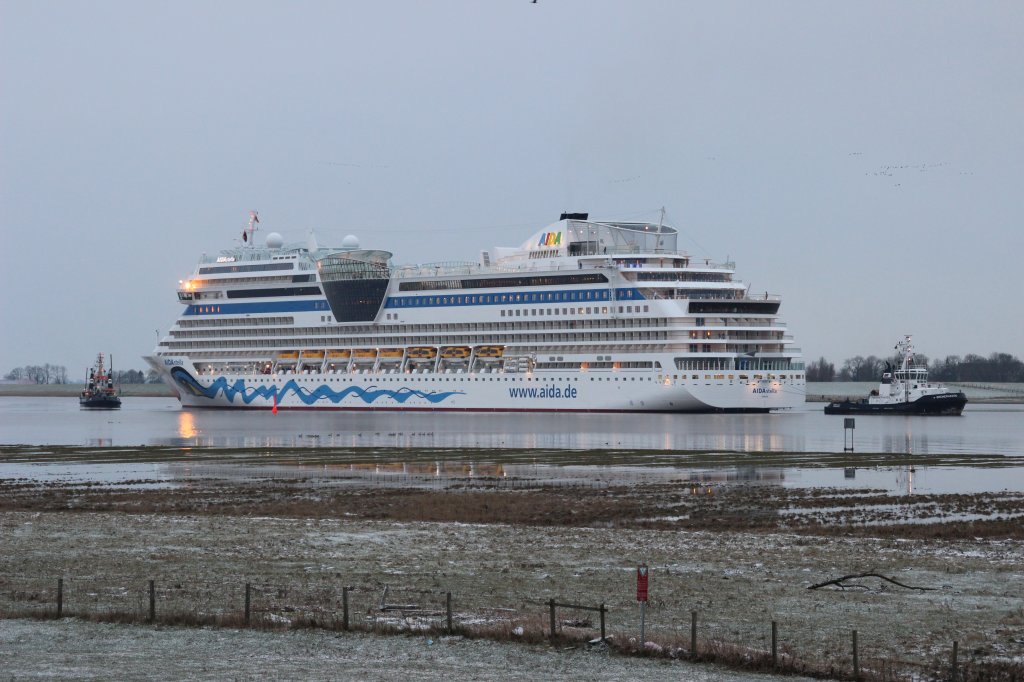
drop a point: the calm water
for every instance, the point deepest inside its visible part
(981, 451)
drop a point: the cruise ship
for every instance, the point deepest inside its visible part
(583, 316)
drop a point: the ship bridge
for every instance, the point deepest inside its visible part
(355, 283)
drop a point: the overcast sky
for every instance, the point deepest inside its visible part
(865, 161)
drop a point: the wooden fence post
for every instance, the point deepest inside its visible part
(551, 605)
(856, 662)
(248, 602)
(344, 608)
(603, 611)
(955, 672)
(693, 634)
(152, 601)
(775, 644)
(60, 598)
(448, 605)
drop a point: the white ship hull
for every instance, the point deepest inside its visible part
(488, 392)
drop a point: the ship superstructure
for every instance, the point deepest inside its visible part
(582, 316)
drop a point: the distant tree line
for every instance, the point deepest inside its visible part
(134, 376)
(39, 374)
(58, 374)
(996, 368)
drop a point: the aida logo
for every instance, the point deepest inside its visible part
(550, 239)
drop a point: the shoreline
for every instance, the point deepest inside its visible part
(160, 390)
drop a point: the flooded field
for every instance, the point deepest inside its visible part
(736, 519)
(741, 551)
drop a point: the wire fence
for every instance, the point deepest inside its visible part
(831, 650)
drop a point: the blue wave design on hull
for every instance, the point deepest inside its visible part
(250, 393)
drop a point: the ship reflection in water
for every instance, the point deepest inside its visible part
(187, 425)
(260, 430)
(440, 474)
(984, 430)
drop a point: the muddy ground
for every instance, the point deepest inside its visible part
(740, 555)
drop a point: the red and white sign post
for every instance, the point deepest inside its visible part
(641, 596)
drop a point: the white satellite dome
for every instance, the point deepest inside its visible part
(274, 241)
(350, 242)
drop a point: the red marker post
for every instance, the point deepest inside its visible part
(642, 576)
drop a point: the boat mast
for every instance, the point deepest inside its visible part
(247, 232)
(661, 221)
(908, 351)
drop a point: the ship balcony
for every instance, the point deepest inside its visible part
(765, 347)
(692, 290)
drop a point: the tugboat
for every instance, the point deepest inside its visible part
(904, 391)
(99, 391)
